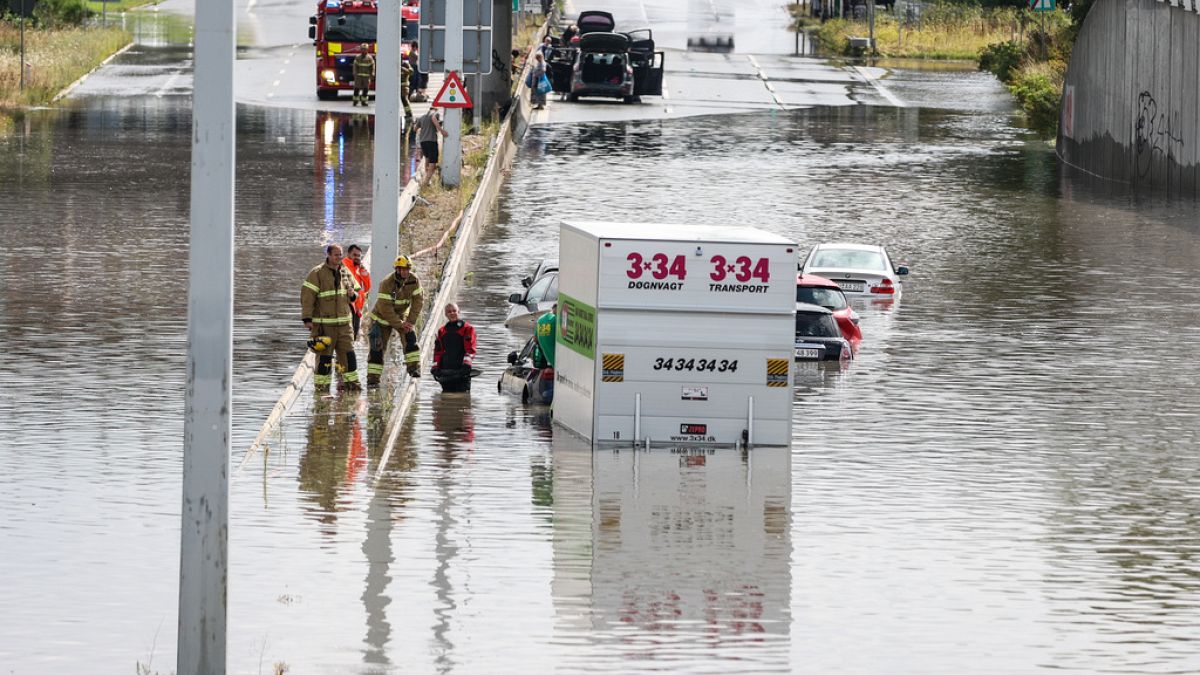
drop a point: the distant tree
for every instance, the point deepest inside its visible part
(61, 12)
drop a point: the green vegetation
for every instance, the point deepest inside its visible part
(117, 5)
(1027, 51)
(945, 31)
(56, 55)
(1033, 68)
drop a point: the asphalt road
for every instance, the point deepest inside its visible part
(275, 62)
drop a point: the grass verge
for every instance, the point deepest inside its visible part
(56, 57)
(99, 8)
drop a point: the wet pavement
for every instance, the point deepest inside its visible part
(1004, 481)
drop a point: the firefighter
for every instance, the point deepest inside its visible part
(326, 298)
(406, 70)
(364, 73)
(362, 275)
(397, 308)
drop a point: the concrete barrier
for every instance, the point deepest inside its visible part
(1130, 109)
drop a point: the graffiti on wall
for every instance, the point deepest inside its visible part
(1157, 133)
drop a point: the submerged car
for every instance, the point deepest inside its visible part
(532, 381)
(538, 299)
(818, 337)
(863, 270)
(815, 290)
(543, 268)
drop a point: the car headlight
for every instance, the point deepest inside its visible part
(329, 76)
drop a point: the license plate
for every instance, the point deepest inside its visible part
(852, 286)
(807, 353)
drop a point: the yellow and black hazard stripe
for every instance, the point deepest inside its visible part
(777, 372)
(613, 368)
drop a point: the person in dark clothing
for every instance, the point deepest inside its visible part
(453, 352)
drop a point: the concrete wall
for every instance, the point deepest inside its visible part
(1131, 105)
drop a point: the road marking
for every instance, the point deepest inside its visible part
(275, 83)
(892, 98)
(282, 71)
(762, 75)
(666, 95)
(167, 85)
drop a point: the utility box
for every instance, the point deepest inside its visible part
(675, 334)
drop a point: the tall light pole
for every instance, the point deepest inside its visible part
(389, 129)
(204, 535)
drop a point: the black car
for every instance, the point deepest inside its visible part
(534, 382)
(818, 337)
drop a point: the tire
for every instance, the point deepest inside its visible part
(631, 99)
(327, 94)
(525, 394)
(573, 98)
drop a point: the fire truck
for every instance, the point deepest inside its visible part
(340, 28)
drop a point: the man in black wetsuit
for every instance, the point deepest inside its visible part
(453, 352)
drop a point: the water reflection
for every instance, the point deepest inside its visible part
(674, 555)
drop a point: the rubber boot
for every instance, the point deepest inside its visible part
(372, 381)
(414, 370)
(351, 387)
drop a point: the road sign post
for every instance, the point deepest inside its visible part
(476, 20)
(452, 148)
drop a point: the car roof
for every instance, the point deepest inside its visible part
(811, 309)
(815, 281)
(850, 246)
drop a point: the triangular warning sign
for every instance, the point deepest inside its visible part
(452, 94)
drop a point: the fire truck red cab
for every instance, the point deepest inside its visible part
(340, 28)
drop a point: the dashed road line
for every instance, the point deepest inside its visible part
(762, 75)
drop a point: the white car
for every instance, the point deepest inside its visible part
(860, 270)
(527, 307)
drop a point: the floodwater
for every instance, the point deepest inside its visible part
(1004, 481)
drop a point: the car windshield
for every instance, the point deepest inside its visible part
(816, 325)
(350, 27)
(848, 258)
(541, 289)
(829, 298)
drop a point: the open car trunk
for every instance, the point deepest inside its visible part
(603, 58)
(595, 22)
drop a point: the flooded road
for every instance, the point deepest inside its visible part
(1004, 481)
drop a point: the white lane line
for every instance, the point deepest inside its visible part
(167, 85)
(883, 91)
(275, 83)
(766, 82)
(282, 71)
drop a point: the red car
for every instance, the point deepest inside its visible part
(817, 290)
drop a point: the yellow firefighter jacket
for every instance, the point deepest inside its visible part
(398, 301)
(325, 295)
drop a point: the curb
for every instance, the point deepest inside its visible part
(70, 87)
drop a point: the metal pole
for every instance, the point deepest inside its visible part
(203, 564)
(871, 23)
(452, 147)
(477, 92)
(389, 128)
(22, 45)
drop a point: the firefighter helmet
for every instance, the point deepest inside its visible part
(321, 344)
(403, 261)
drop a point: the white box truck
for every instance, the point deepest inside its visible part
(677, 334)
